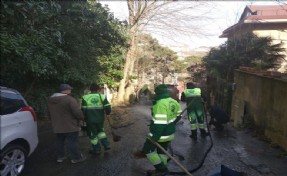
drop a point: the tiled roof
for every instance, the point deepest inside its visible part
(254, 8)
(261, 12)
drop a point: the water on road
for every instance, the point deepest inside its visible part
(235, 149)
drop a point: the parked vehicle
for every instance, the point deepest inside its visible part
(19, 136)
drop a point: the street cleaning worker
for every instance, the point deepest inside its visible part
(165, 114)
(195, 110)
(94, 106)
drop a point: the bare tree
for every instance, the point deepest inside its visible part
(166, 18)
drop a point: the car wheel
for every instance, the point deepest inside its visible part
(13, 159)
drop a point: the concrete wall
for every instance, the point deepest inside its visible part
(263, 100)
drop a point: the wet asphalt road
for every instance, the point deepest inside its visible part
(236, 149)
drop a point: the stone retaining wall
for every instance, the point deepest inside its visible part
(261, 100)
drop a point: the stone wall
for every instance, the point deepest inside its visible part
(261, 100)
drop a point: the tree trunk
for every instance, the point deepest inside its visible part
(129, 64)
(128, 68)
(144, 13)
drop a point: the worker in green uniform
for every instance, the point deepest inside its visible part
(195, 110)
(165, 114)
(95, 105)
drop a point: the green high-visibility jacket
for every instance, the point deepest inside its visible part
(94, 105)
(164, 114)
(194, 97)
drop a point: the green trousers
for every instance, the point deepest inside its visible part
(196, 115)
(97, 135)
(155, 155)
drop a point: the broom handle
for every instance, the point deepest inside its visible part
(109, 122)
(178, 163)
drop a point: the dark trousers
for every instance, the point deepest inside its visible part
(70, 140)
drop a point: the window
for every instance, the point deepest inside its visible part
(11, 102)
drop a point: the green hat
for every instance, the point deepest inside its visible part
(161, 89)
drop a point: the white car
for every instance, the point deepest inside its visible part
(19, 136)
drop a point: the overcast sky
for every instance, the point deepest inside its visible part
(225, 14)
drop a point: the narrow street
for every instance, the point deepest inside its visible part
(232, 54)
(235, 149)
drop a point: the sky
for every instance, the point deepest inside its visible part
(223, 15)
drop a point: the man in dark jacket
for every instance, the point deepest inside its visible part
(95, 105)
(65, 115)
(165, 114)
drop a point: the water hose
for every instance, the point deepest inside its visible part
(205, 154)
(188, 172)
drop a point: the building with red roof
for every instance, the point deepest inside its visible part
(264, 21)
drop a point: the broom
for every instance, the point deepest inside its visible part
(116, 138)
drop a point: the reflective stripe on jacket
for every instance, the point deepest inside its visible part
(164, 112)
(94, 106)
(94, 101)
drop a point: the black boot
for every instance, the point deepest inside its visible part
(203, 133)
(106, 143)
(96, 149)
(193, 134)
